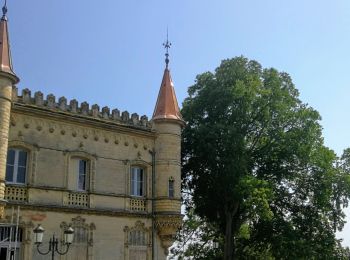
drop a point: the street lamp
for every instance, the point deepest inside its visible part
(53, 243)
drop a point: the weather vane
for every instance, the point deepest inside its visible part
(167, 45)
(4, 9)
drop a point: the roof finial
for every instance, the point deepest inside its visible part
(4, 11)
(167, 45)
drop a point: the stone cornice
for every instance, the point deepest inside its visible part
(73, 210)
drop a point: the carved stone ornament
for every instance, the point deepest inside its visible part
(167, 226)
(80, 223)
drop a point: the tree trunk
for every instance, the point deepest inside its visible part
(229, 236)
(228, 252)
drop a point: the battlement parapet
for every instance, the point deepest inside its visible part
(72, 107)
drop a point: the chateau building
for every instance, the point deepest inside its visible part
(113, 177)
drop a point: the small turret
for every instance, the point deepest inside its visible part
(167, 122)
(6, 69)
(7, 80)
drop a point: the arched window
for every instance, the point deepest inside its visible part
(137, 182)
(16, 166)
(171, 191)
(81, 247)
(137, 242)
(137, 238)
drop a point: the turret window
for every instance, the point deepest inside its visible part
(171, 188)
(16, 166)
(137, 182)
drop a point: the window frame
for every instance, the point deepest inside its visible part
(172, 182)
(86, 174)
(71, 182)
(146, 246)
(134, 183)
(16, 166)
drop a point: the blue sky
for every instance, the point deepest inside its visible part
(110, 52)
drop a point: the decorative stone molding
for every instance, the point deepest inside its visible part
(25, 123)
(139, 226)
(79, 222)
(137, 240)
(84, 236)
(167, 226)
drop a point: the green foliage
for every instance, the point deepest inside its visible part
(255, 164)
(195, 240)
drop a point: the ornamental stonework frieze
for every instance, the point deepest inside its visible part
(168, 221)
(167, 226)
(24, 123)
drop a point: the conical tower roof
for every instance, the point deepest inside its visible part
(167, 106)
(5, 52)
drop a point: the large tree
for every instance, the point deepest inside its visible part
(254, 158)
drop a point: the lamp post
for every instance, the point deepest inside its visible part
(53, 243)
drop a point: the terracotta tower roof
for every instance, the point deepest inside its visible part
(167, 106)
(5, 52)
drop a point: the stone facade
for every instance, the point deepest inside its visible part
(53, 134)
(111, 176)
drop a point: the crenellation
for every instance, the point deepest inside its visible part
(73, 105)
(39, 98)
(95, 110)
(84, 108)
(51, 101)
(125, 116)
(26, 96)
(115, 114)
(135, 118)
(144, 120)
(62, 103)
(105, 112)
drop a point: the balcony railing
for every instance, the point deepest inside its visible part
(137, 204)
(16, 194)
(77, 199)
